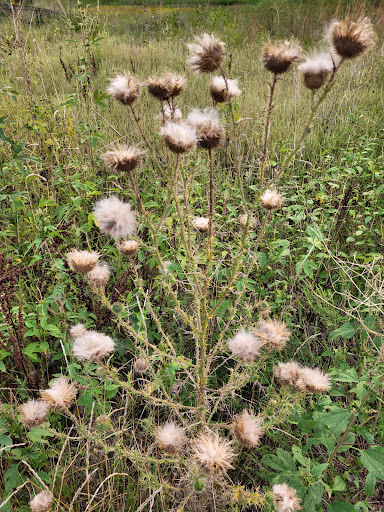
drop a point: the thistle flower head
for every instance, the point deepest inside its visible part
(201, 224)
(169, 114)
(170, 437)
(285, 498)
(213, 453)
(179, 137)
(312, 380)
(243, 218)
(271, 199)
(207, 54)
(99, 276)
(140, 366)
(123, 159)
(223, 89)
(245, 346)
(115, 217)
(93, 346)
(249, 429)
(77, 330)
(60, 395)
(128, 247)
(82, 261)
(166, 86)
(316, 69)
(351, 39)
(277, 58)
(273, 334)
(288, 373)
(42, 502)
(33, 413)
(124, 88)
(210, 133)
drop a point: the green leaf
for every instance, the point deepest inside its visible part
(349, 375)
(339, 484)
(346, 331)
(340, 506)
(373, 460)
(369, 486)
(37, 434)
(336, 420)
(313, 497)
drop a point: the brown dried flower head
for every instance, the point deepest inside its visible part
(60, 395)
(123, 159)
(245, 346)
(271, 199)
(351, 39)
(273, 334)
(170, 437)
(222, 89)
(124, 88)
(249, 429)
(42, 502)
(316, 70)
(213, 453)
(99, 276)
(210, 133)
(140, 366)
(128, 247)
(285, 498)
(179, 137)
(115, 217)
(93, 346)
(201, 224)
(166, 86)
(82, 261)
(33, 412)
(243, 218)
(207, 54)
(277, 58)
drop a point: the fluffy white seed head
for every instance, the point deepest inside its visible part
(60, 395)
(123, 159)
(316, 69)
(201, 224)
(93, 346)
(179, 137)
(78, 330)
(33, 412)
(249, 429)
(288, 373)
(170, 437)
(273, 334)
(277, 58)
(128, 247)
(166, 86)
(271, 199)
(140, 366)
(285, 498)
(213, 453)
(350, 39)
(169, 114)
(115, 217)
(124, 88)
(207, 54)
(99, 276)
(245, 346)
(312, 380)
(82, 261)
(42, 502)
(243, 218)
(210, 133)
(223, 90)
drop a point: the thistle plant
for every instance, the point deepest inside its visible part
(195, 442)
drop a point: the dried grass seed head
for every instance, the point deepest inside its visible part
(278, 57)
(213, 453)
(288, 373)
(93, 346)
(249, 429)
(166, 86)
(285, 498)
(123, 159)
(82, 261)
(77, 330)
(128, 247)
(33, 412)
(312, 380)
(179, 137)
(201, 224)
(42, 502)
(140, 366)
(351, 39)
(316, 69)
(124, 88)
(245, 346)
(207, 54)
(115, 217)
(99, 276)
(170, 437)
(223, 89)
(273, 334)
(60, 395)
(271, 199)
(210, 133)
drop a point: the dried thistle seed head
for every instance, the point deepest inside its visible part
(82, 261)
(272, 333)
(271, 199)
(140, 366)
(288, 373)
(277, 58)
(166, 86)
(285, 498)
(213, 453)
(201, 224)
(179, 137)
(115, 217)
(170, 437)
(33, 412)
(312, 380)
(210, 133)
(42, 502)
(249, 429)
(207, 54)
(77, 330)
(123, 159)
(169, 113)
(245, 346)
(223, 89)
(60, 395)
(99, 276)
(93, 346)
(128, 247)
(351, 39)
(124, 88)
(243, 218)
(316, 69)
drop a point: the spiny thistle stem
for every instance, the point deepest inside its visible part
(267, 130)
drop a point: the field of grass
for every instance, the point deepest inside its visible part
(316, 263)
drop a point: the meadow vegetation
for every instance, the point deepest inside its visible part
(216, 344)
